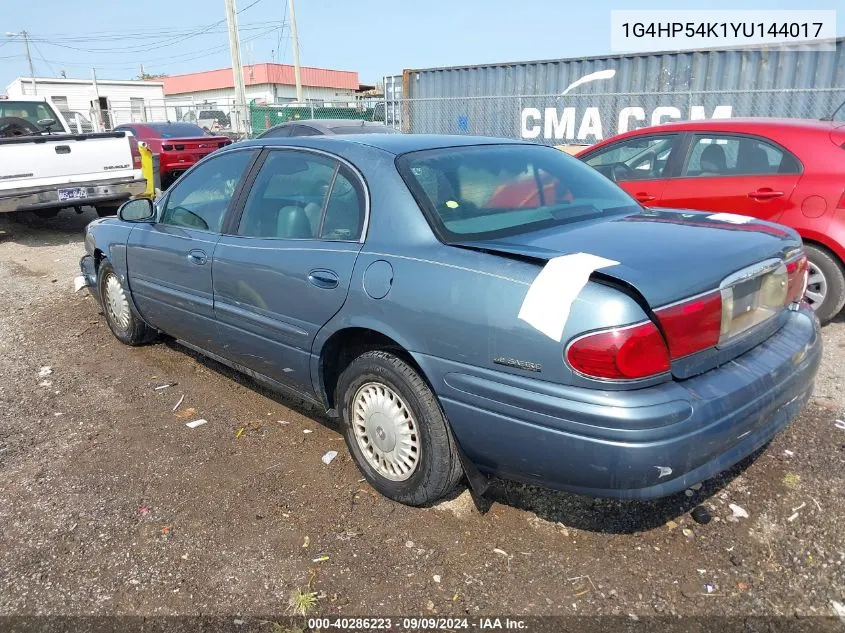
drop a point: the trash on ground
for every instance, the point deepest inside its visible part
(686, 532)
(45, 371)
(701, 515)
(143, 510)
(839, 609)
(78, 283)
(329, 457)
(184, 414)
(283, 422)
(167, 531)
(436, 578)
(240, 432)
(306, 541)
(671, 524)
(840, 424)
(708, 587)
(663, 471)
(196, 423)
(792, 517)
(160, 387)
(320, 559)
(409, 544)
(788, 453)
(179, 404)
(45, 383)
(307, 431)
(689, 492)
(501, 552)
(738, 512)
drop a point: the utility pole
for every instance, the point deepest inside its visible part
(98, 112)
(237, 67)
(25, 36)
(297, 73)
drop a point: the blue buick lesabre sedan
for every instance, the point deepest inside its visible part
(473, 304)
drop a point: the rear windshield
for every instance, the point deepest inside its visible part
(175, 130)
(488, 191)
(363, 129)
(32, 111)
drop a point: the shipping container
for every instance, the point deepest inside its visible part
(537, 100)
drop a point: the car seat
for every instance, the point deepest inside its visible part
(713, 161)
(293, 223)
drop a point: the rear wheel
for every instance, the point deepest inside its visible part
(396, 431)
(825, 283)
(123, 321)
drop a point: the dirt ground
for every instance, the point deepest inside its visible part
(109, 504)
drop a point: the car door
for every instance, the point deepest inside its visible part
(734, 173)
(170, 262)
(284, 269)
(639, 164)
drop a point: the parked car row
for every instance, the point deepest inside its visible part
(470, 306)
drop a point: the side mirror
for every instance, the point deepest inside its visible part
(137, 210)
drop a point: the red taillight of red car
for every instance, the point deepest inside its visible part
(624, 353)
(136, 153)
(692, 325)
(797, 272)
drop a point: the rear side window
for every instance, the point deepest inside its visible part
(714, 155)
(300, 195)
(277, 132)
(304, 130)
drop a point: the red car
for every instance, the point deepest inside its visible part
(789, 171)
(179, 145)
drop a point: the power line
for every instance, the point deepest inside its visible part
(38, 52)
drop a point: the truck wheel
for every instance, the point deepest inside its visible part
(124, 322)
(826, 283)
(396, 431)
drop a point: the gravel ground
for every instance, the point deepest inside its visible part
(111, 505)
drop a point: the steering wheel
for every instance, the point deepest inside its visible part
(621, 171)
(12, 126)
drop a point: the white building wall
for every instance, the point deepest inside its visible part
(149, 96)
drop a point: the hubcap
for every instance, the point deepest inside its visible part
(116, 302)
(386, 431)
(816, 286)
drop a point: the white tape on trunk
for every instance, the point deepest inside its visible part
(549, 299)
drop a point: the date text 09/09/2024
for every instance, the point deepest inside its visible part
(723, 29)
(416, 624)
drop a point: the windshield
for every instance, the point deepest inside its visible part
(490, 191)
(176, 130)
(32, 111)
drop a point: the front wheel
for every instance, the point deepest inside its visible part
(396, 431)
(123, 321)
(825, 283)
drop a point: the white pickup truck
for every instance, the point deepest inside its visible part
(45, 168)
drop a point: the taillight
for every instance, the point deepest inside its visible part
(797, 272)
(841, 204)
(136, 153)
(692, 325)
(623, 353)
(166, 147)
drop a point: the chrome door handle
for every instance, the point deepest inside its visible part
(323, 279)
(197, 257)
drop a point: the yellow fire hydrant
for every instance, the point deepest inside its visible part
(150, 169)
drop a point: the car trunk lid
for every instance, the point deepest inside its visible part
(665, 255)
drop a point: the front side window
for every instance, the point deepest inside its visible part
(714, 155)
(490, 191)
(300, 195)
(201, 198)
(637, 158)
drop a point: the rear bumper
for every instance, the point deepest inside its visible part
(637, 444)
(88, 275)
(37, 198)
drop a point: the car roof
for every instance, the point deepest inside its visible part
(741, 123)
(330, 122)
(392, 143)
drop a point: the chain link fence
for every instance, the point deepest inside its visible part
(587, 118)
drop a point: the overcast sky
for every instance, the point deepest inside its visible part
(372, 37)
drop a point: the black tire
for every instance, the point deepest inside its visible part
(135, 332)
(438, 470)
(830, 266)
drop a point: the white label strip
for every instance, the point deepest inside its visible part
(196, 423)
(732, 218)
(549, 298)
